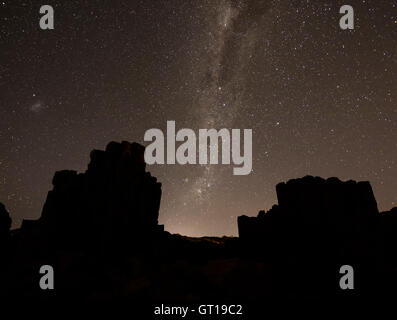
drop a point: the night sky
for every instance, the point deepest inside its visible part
(320, 100)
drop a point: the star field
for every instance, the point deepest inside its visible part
(320, 100)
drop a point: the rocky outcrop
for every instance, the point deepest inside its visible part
(319, 225)
(387, 236)
(98, 231)
(115, 200)
(313, 208)
(5, 223)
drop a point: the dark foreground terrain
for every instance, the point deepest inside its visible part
(99, 232)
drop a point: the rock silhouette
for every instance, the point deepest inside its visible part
(99, 231)
(318, 225)
(5, 224)
(317, 212)
(115, 200)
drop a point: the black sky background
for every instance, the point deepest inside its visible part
(320, 100)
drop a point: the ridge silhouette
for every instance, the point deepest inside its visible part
(99, 230)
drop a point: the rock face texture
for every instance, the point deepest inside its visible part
(114, 200)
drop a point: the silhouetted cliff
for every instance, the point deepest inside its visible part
(314, 211)
(5, 225)
(114, 201)
(319, 225)
(99, 231)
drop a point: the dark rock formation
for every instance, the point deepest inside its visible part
(319, 225)
(5, 223)
(115, 200)
(313, 208)
(387, 237)
(99, 231)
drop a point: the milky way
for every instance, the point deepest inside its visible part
(231, 38)
(320, 100)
